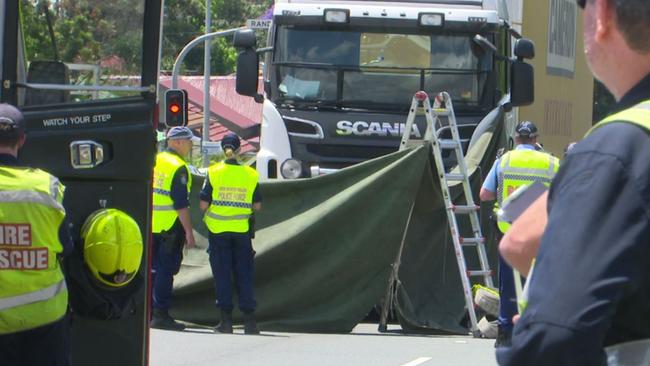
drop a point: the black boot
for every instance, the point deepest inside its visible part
(504, 337)
(162, 320)
(250, 325)
(225, 325)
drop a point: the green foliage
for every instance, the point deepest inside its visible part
(185, 20)
(93, 31)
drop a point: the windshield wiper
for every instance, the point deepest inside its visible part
(367, 105)
(309, 104)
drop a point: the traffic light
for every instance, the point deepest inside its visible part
(176, 107)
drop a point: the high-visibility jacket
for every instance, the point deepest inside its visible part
(520, 167)
(164, 215)
(638, 115)
(232, 198)
(33, 292)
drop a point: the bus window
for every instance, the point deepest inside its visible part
(84, 50)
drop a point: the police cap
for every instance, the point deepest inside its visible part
(230, 141)
(526, 129)
(12, 117)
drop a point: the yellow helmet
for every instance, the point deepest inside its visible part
(112, 247)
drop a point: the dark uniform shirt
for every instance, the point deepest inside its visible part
(591, 284)
(179, 186)
(206, 191)
(64, 229)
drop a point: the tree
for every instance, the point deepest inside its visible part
(110, 32)
(185, 20)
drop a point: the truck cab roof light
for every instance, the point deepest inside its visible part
(431, 19)
(337, 16)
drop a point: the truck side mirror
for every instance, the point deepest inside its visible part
(524, 49)
(522, 87)
(247, 73)
(247, 64)
(244, 38)
(522, 75)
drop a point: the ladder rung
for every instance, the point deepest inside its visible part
(448, 144)
(461, 209)
(441, 112)
(414, 142)
(471, 241)
(455, 176)
(479, 273)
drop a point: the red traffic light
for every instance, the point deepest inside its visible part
(176, 107)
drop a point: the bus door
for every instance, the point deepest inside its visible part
(85, 74)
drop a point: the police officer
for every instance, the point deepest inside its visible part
(523, 165)
(229, 195)
(171, 224)
(591, 284)
(34, 327)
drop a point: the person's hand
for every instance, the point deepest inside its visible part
(515, 318)
(189, 240)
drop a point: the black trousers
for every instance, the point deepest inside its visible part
(48, 345)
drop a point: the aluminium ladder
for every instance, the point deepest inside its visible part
(442, 107)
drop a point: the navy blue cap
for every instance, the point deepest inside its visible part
(230, 141)
(526, 129)
(12, 116)
(180, 133)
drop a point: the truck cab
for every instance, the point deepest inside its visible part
(339, 77)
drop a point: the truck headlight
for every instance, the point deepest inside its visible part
(291, 169)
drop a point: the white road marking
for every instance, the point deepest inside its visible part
(417, 361)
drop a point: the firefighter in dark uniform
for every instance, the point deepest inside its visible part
(228, 197)
(171, 224)
(590, 287)
(34, 236)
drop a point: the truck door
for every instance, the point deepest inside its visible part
(85, 74)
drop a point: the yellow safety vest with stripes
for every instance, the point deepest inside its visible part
(164, 215)
(232, 198)
(638, 115)
(520, 167)
(33, 292)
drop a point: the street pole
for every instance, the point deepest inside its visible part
(206, 82)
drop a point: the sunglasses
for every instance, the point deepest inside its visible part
(581, 3)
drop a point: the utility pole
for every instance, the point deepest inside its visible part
(206, 82)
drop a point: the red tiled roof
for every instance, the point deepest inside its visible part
(229, 111)
(217, 130)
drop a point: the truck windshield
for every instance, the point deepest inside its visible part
(376, 70)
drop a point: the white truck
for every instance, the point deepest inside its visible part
(339, 76)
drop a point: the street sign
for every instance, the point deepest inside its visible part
(258, 23)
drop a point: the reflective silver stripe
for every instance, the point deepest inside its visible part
(530, 178)
(227, 218)
(551, 168)
(32, 297)
(54, 187)
(164, 208)
(162, 192)
(232, 204)
(30, 197)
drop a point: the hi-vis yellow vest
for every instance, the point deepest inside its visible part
(232, 198)
(164, 214)
(638, 115)
(33, 292)
(519, 167)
